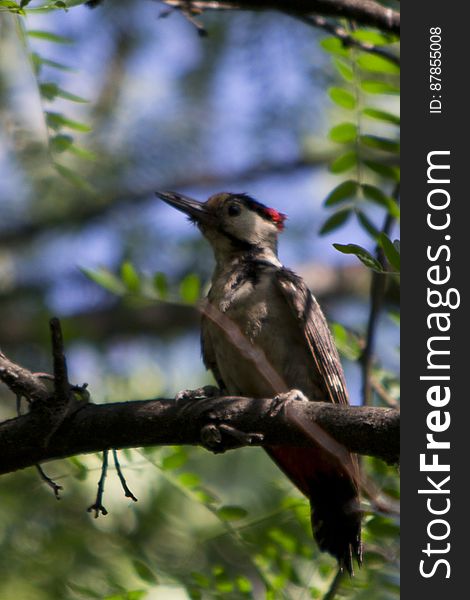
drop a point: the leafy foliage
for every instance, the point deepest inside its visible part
(367, 154)
(205, 527)
(59, 143)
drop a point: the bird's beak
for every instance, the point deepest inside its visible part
(195, 210)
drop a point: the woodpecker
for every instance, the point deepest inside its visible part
(277, 314)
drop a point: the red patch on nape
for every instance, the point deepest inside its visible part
(276, 217)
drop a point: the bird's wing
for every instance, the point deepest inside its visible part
(316, 332)
(328, 478)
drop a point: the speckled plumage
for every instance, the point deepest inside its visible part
(276, 313)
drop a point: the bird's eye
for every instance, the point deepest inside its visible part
(234, 210)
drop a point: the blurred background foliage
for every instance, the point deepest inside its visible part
(99, 108)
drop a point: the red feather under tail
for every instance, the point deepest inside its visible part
(334, 498)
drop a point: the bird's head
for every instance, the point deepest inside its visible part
(233, 223)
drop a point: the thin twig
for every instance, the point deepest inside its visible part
(380, 390)
(188, 13)
(50, 482)
(62, 402)
(98, 504)
(21, 381)
(42, 474)
(377, 295)
(122, 479)
(61, 381)
(345, 37)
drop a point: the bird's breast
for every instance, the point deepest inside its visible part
(265, 324)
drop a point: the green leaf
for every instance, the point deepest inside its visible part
(73, 177)
(342, 97)
(380, 143)
(367, 224)
(334, 46)
(82, 152)
(39, 61)
(231, 513)
(344, 162)
(61, 143)
(81, 470)
(12, 7)
(377, 64)
(204, 497)
(72, 97)
(190, 288)
(373, 37)
(128, 595)
(175, 460)
(201, 579)
(49, 90)
(344, 69)
(136, 594)
(346, 342)
(391, 251)
(376, 195)
(105, 279)
(144, 572)
(56, 120)
(382, 527)
(130, 277)
(381, 115)
(344, 133)
(55, 65)
(284, 539)
(362, 254)
(243, 584)
(189, 480)
(335, 221)
(386, 171)
(344, 191)
(49, 36)
(379, 87)
(160, 283)
(224, 585)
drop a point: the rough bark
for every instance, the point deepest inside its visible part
(365, 12)
(218, 423)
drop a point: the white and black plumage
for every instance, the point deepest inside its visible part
(276, 313)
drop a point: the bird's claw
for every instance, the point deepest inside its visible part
(212, 437)
(280, 401)
(202, 393)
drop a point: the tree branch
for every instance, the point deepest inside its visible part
(377, 295)
(366, 12)
(82, 211)
(219, 424)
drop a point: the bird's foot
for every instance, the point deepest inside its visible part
(212, 437)
(203, 393)
(281, 401)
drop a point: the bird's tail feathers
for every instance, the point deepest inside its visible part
(332, 489)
